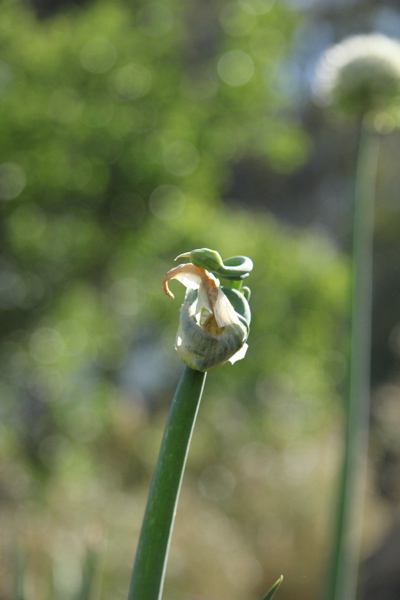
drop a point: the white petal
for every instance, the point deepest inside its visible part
(239, 354)
(224, 312)
(191, 276)
(202, 300)
(189, 280)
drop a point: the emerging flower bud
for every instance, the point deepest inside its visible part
(210, 332)
(360, 75)
(204, 258)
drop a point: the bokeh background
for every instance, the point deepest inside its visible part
(130, 132)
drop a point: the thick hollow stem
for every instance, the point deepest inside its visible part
(342, 574)
(151, 556)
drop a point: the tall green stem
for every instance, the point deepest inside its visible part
(342, 574)
(151, 556)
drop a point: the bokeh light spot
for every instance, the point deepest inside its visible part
(216, 482)
(243, 571)
(256, 460)
(258, 7)
(73, 335)
(125, 294)
(75, 171)
(203, 86)
(46, 345)
(110, 350)
(235, 21)
(167, 202)
(98, 55)
(98, 110)
(181, 158)
(84, 423)
(28, 222)
(384, 122)
(236, 67)
(12, 180)
(64, 105)
(132, 81)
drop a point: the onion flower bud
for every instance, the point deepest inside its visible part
(360, 75)
(214, 320)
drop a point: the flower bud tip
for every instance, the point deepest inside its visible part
(184, 255)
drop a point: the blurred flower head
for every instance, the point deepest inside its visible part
(359, 75)
(210, 331)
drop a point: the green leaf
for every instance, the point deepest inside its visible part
(88, 575)
(272, 591)
(20, 574)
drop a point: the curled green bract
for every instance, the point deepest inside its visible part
(235, 267)
(214, 318)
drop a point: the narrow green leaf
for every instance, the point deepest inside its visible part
(88, 575)
(272, 591)
(21, 564)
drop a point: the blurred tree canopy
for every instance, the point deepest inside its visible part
(120, 125)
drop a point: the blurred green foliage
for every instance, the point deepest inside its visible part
(119, 127)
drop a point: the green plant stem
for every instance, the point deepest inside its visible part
(343, 564)
(21, 563)
(151, 556)
(85, 591)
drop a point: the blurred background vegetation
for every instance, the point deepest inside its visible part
(131, 132)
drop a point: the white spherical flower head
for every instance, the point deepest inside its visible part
(359, 75)
(210, 331)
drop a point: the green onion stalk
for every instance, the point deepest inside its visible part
(359, 77)
(341, 580)
(213, 329)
